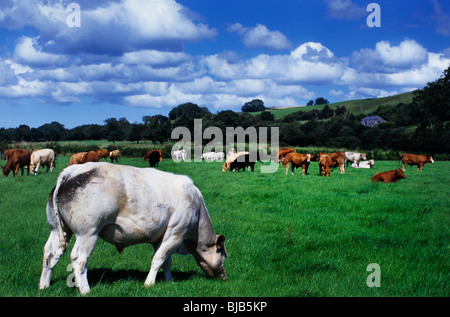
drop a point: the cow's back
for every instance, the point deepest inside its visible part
(140, 201)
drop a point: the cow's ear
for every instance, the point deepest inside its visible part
(220, 240)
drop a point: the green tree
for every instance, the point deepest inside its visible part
(253, 106)
(321, 101)
(157, 128)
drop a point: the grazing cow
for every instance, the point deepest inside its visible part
(153, 157)
(220, 156)
(241, 162)
(114, 155)
(415, 159)
(353, 157)
(364, 164)
(44, 157)
(324, 165)
(103, 153)
(77, 158)
(282, 154)
(90, 156)
(125, 205)
(337, 160)
(17, 159)
(230, 159)
(389, 176)
(8, 152)
(179, 155)
(296, 160)
(209, 156)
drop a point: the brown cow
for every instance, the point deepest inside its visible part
(7, 153)
(103, 153)
(153, 157)
(296, 160)
(415, 159)
(324, 165)
(337, 160)
(282, 154)
(77, 158)
(90, 156)
(114, 155)
(389, 176)
(17, 159)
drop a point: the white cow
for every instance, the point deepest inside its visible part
(126, 205)
(354, 157)
(220, 156)
(44, 157)
(209, 156)
(179, 155)
(364, 164)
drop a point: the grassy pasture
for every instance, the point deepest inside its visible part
(287, 235)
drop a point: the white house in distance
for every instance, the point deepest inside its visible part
(371, 121)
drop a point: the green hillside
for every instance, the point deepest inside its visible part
(356, 107)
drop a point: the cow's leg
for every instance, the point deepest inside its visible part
(81, 252)
(166, 266)
(170, 243)
(37, 168)
(292, 169)
(287, 168)
(404, 165)
(53, 250)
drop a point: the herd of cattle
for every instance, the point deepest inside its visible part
(21, 158)
(174, 220)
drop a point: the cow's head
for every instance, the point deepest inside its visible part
(430, 159)
(363, 156)
(212, 259)
(399, 174)
(5, 171)
(308, 157)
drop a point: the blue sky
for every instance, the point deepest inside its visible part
(130, 58)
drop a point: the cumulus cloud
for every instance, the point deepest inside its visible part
(29, 52)
(125, 53)
(388, 58)
(111, 27)
(261, 37)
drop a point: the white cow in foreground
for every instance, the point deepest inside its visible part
(126, 205)
(44, 157)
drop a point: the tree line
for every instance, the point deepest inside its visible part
(419, 126)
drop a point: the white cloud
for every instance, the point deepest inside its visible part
(29, 52)
(261, 37)
(386, 57)
(107, 27)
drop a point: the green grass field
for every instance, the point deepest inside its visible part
(287, 235)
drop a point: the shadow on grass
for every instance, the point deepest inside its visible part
(108, 276)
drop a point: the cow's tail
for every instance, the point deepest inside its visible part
(58, 219)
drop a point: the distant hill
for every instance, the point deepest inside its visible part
(356, 107)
